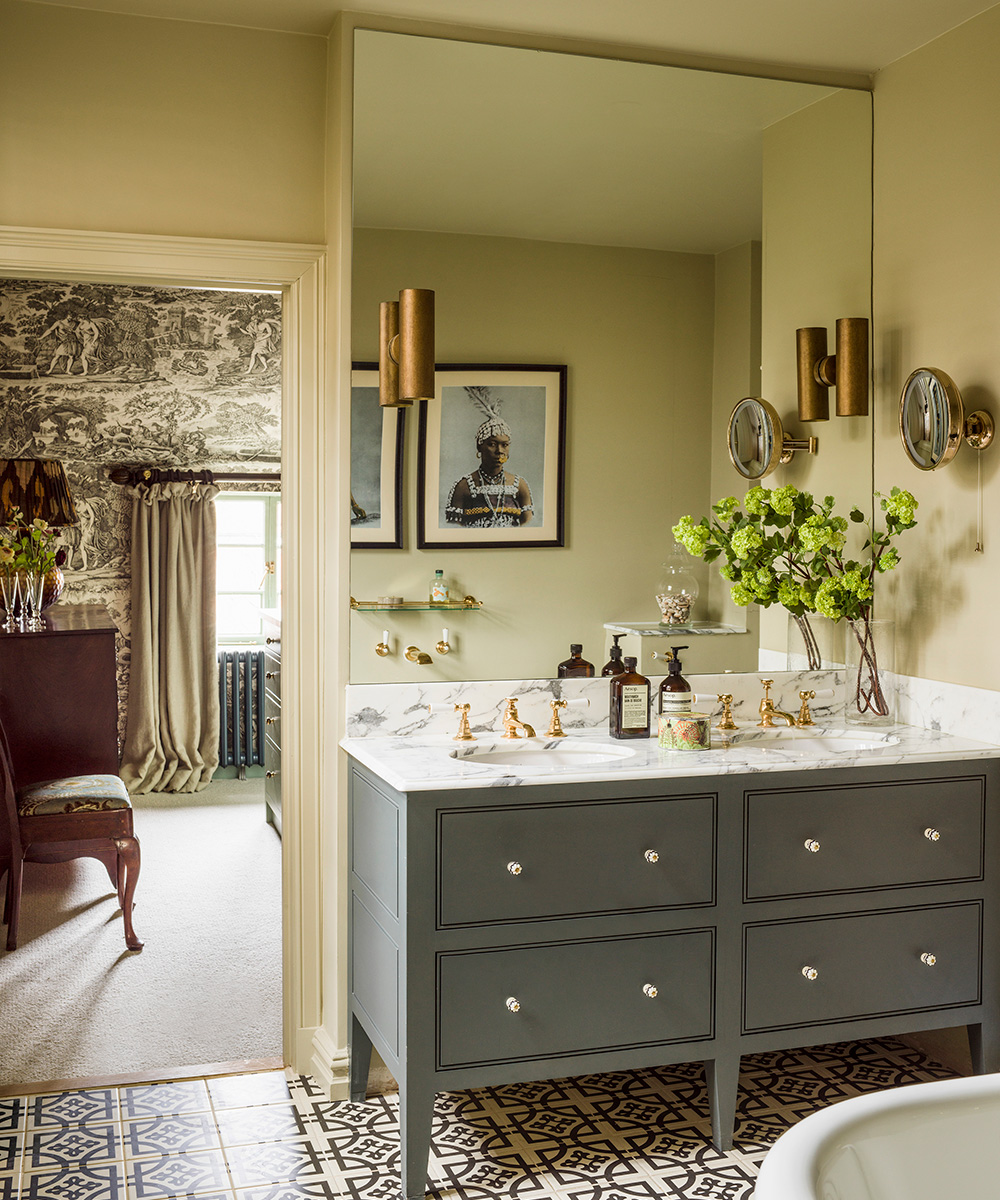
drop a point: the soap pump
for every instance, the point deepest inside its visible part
(614, 665)
(675, 691)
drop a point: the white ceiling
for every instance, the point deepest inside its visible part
(858, 35)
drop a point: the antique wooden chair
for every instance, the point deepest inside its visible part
(84, 816)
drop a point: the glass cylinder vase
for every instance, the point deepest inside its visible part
(814, 643)
(870, 695)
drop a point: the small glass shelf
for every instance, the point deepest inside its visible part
(657, 630)
(469, 603)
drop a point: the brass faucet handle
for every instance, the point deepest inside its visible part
(727, 722)
(804, 719)
(555, 729)
(464, 734)
(767, 684)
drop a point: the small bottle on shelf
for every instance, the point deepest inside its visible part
(439, 588)
(614, 665)
(576, 666)
(629, 711)
(675, 691)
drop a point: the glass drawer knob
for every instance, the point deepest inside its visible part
(932, 835)
(514, 868)
(649, 989)
(928, 959)
(810, 973)
(651, 856)
(513, 1004)
(811, 845)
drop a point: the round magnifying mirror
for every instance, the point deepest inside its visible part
(755, 438)
(931, 418)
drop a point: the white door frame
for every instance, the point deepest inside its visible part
(309, 511)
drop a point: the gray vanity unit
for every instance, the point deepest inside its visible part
(509, 933)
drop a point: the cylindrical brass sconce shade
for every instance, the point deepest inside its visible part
(388, 366)
(852, 367)
(810, 350)
(416, 345)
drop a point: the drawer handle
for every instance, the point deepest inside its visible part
(810, 973)
(514, 868)
(270, 641)
(513, 1004)
(649, 989)
(932, 835)
(270, 674)
(270, 774)
(270, 720)
(651, 856)
(811, 845)
(928, 959)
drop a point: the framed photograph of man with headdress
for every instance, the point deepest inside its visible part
(491, 457)
(376, 465)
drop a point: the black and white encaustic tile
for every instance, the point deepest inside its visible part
(637, 1135)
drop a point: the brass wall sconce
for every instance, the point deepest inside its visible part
(406, 348)
(757, 441)
(847, 370)
(932, 420)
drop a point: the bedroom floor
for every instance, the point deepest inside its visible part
(640, 1135)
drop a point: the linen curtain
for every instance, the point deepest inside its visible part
(172, 726)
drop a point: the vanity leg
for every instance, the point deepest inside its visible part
(984, 1046)
(722, 1075)
(416, 1110)
(359, 1050)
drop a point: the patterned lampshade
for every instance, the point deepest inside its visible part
(38, 487)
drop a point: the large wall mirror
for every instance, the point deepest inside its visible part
(600, 215)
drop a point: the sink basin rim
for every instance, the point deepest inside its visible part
(543, 755)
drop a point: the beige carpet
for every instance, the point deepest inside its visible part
(74, 1003)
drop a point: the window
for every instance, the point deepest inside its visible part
(248, 564)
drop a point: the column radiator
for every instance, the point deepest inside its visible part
(241, 708)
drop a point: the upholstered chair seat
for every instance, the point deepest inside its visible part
(80, 793)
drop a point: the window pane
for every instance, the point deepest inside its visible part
(239, 568)
(238, 617)
(240, 520)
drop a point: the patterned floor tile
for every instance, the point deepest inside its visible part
(8, 1187)
(166, 1099)
(242, 1091)
(72, 1108)
(10, 1150)
(178, 1175)
(80, 1183)
(12, 1113)
(276, 1162)
(181, 1134)
(70, 1145)
(319, 1189)
(263, 1123)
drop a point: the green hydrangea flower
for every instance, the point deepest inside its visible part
(741, 595)
(694, 538)
(745, 541)
(725, 508)
(901, 505)
(783, 500)
(889, 560)
(757, 501)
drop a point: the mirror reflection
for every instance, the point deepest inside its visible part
(601, 215)
(754, 438)
(930, 418)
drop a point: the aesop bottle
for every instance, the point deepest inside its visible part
(629, 715)
(576, 666)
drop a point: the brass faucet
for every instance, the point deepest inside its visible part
(555, 729)
(805, 717)
(511, 724)
(767, 710)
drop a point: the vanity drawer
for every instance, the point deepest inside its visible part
(878, 835)
(865, 965)
(565, 998)
(523, 862)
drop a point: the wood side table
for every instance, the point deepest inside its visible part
(59, 695)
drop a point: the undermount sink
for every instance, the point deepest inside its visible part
(810, 741)
(539, 756)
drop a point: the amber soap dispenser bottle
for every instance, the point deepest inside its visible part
(629, 715)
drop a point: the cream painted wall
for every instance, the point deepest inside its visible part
(937, 304)
(816, 268)
(137, 125)
(635, 329)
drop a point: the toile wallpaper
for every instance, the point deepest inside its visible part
(102, 375)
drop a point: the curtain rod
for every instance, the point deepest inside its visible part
(134, 475)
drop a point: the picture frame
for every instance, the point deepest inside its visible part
(456, 505)
(376, 465)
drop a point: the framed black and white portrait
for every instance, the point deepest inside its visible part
(491, 457)
(376, 465)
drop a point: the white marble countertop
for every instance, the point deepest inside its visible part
(436, 761)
